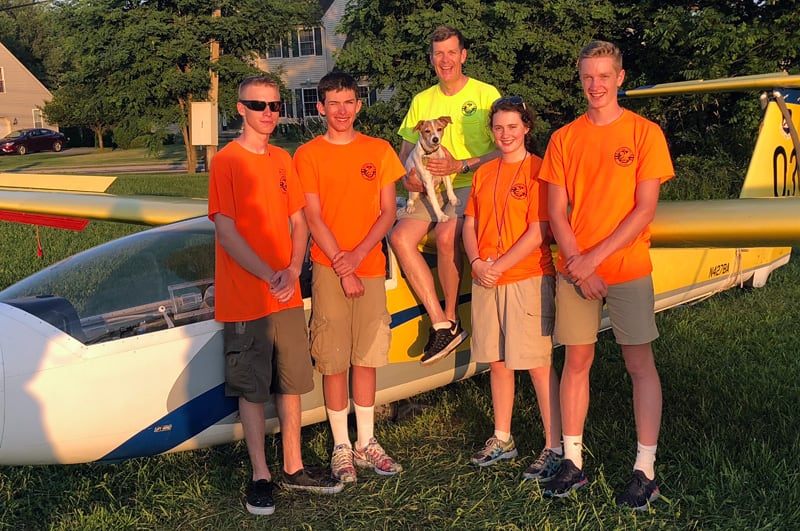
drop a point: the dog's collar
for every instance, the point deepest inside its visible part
(434, 150)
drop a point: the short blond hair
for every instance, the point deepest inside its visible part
(601, 49)
(264, 80)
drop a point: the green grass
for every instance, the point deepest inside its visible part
(728, 453)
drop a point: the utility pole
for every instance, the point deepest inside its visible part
(213, 92)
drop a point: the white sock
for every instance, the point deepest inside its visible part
(573, 449)
(365, 422)
(502, 435)
(443, 325)
(646, 460)
(338, 420)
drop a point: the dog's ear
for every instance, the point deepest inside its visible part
(445, 119)
(419, 125)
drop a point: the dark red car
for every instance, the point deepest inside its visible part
(30, 140)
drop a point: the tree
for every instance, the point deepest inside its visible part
(151, 58)
(529, 47)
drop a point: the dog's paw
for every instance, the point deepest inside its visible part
(410, 208)
(442, 218)
(454, 200)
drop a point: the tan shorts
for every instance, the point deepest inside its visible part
(267, 356)
(630, 307)
(427, 214)
(514, 323)
(346, 332)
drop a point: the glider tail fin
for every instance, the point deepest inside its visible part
(773, 170)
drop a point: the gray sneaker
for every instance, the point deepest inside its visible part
(494, 450)
(311, 481)
(544, 468)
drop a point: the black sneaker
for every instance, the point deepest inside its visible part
(639, 492)
(568, 478)
(442, 342)
(259, 497)
(309, 480)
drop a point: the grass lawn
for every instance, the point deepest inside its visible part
(728, 453)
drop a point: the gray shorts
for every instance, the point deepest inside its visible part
(268, 356)
(630, 307)
(426, 213)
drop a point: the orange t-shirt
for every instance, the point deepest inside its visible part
(600, 166)
(504, 199)
(348, 179)
(259, 192)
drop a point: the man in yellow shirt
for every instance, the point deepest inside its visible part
(468, 143)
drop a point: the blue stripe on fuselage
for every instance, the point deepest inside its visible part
(205, 410)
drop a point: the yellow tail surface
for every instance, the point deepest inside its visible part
(773, 170)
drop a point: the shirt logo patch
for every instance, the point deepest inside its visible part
(282, 183)
(518, 191)
(624, 156)
(369, 171)
(469, 108)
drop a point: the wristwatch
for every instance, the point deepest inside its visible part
(464, 166)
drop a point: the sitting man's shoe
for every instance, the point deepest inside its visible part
(259, 497)
(568, 478)
(374, 456)
(443, 342)
(311, 481)
(494, 450)
(544, 468)
(639, 492)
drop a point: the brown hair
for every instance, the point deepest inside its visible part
(442, 33)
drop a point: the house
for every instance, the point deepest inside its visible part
(21, 96)
(303, 56)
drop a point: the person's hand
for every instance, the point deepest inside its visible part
(580, 267)
(352, 286)
(485, 273)
(282, 285)
(412, 182)
(593, 287)
(443, 166)
(346, 262)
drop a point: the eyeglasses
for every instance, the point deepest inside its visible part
(505, 100)
(259, 105)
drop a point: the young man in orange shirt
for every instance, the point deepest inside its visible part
(604, 172)
(255, 201)
(349, 183)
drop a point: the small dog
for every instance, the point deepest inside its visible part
(428, 147)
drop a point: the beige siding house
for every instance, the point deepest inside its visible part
(21, 96)
(303, 56)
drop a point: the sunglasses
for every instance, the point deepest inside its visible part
(505, 100)
(258, 105)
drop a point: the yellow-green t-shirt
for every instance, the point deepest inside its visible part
(469, 135)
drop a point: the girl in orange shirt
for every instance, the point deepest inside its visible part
(507, 240)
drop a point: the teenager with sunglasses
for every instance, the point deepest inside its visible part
(507, 241)
(256, 203)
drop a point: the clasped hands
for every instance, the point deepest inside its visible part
(581, 270)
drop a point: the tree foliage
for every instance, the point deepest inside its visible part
(529, 48)
(145, 62)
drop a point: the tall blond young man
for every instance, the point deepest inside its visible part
(604, 171)
(255, 201)
(468, 144)
(349, 183)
